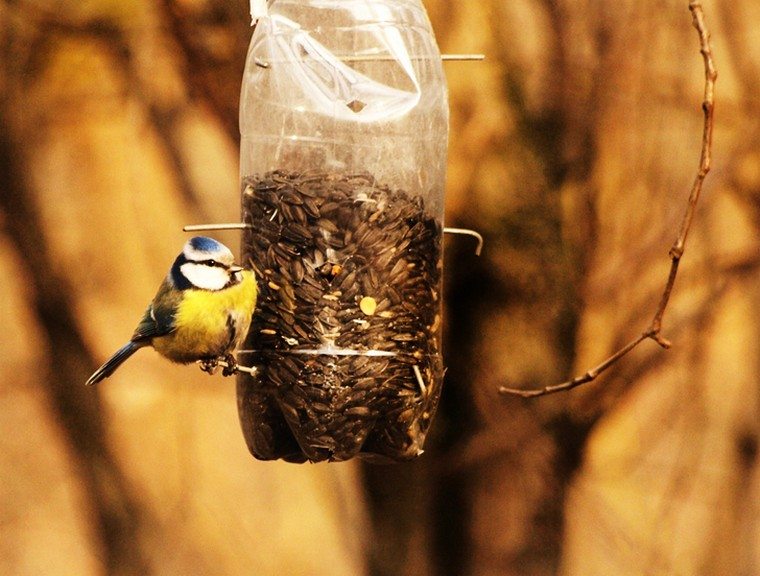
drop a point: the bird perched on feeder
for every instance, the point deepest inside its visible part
(201, 312)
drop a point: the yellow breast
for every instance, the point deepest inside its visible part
(210, 323)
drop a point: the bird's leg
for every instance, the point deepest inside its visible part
(232, 365)
(209, 365)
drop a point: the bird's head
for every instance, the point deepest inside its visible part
(206, 264)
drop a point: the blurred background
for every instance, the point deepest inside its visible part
(572, 149)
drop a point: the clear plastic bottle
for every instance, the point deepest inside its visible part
(344, 125)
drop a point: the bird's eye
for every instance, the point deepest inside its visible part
(212, 263)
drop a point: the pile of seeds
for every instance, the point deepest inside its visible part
(346, 334)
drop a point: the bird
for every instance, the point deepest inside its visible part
(201, 312)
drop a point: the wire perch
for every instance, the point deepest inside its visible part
(251, 370)
(653, 331)
(467, 232)
(243, 226)
(378, 58)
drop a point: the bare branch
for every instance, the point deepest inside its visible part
(679, 246)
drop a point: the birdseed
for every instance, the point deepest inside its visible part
(347, 320)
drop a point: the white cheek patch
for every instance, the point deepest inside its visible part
(206, 277)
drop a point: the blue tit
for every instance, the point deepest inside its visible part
(201, 312)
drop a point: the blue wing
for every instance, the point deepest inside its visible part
(158, 319)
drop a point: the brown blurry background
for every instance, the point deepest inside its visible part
(573, 147)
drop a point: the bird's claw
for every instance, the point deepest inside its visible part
(232, 365)
(209, 365)
(228, 363)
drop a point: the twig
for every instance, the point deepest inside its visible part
(679, 246)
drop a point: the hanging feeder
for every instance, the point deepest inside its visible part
(344, 125)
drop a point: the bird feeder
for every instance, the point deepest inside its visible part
(344, 125)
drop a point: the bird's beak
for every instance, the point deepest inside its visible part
(234, 269)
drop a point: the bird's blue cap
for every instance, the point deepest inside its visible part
(205, 244)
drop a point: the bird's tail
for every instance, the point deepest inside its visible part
(114, 362)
